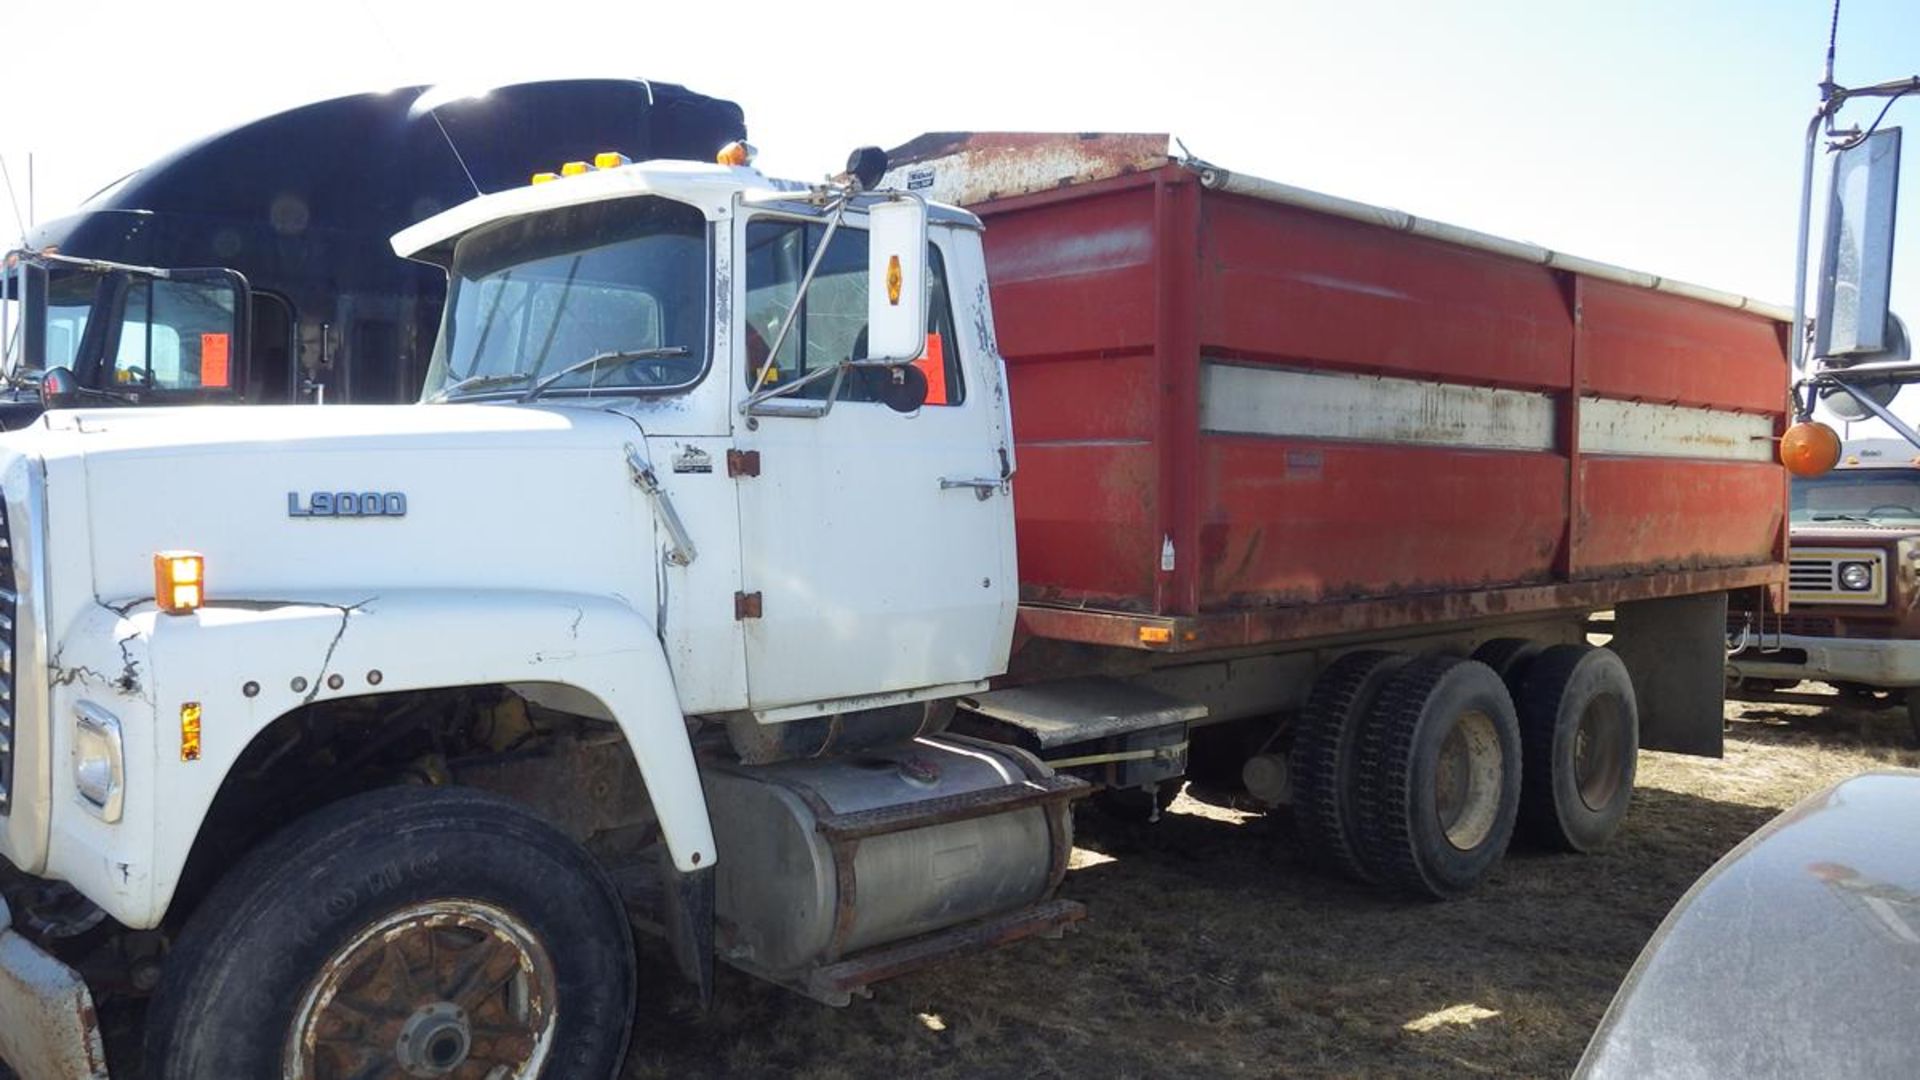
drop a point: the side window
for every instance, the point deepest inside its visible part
(832, 325)
(176, 335)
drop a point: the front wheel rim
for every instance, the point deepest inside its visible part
(449, 988)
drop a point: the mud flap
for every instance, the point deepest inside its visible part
(1676, 651)
(688, 917)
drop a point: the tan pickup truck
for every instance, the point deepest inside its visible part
(1853, 587)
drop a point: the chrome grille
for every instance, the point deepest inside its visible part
(9, 618)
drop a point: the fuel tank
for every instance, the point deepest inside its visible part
(822, 859)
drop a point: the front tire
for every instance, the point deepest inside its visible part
(403, 932)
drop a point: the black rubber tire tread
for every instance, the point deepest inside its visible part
(237, 972)
(1400, 839)
(1325, 743)
(1551, 698)
(1509, 657)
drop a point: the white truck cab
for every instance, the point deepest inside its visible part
(709, 488)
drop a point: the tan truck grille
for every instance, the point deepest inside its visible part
(1814, 576)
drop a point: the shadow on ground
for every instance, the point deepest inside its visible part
(1214, 950)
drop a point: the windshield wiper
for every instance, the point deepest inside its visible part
(1841, 517)
(481, 382)
(615, 355)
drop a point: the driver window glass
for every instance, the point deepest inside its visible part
(176, 335)
(832, 325)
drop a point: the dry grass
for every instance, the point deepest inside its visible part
(1213, 951)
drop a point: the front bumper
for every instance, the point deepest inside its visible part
(1884, 664)
(48, 1029)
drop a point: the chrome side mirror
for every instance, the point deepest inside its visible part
(1856, 264)
(58, 388)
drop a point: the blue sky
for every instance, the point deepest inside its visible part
(1661, 136)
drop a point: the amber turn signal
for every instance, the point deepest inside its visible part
(735, 153)
(179, 581)
(1810, 448)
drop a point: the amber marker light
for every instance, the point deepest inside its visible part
(1810, 448)
(735, 153)
(575, 168)
(1156, 635)
(608, 159)
(544, 178)
(190, 731)
(179, 581)
(894, 279)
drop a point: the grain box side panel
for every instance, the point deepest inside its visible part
(1300, 522)
(1284, 284)
(1649, 346)
(1641, 515)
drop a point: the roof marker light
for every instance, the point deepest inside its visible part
(737, 152)
(544, 178)
(575, 168)
(608, 159)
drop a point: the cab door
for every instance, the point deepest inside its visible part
(876, 545)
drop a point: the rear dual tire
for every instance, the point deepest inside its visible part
(1580, 729)
(1438, 777)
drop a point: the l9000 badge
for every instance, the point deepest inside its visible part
(348, 504)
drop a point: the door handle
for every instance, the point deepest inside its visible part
(983, 488)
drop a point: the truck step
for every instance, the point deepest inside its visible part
(1082, 710)
(862, 824)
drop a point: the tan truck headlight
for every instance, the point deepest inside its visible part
(1856, 577)
(99, 764)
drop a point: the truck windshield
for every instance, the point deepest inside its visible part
(623, 280)
(1858, 495)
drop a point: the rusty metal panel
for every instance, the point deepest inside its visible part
(1652, 513)
(967, 167)
(1242, 628)
(1086, 520)
(1291, 522)
(1289, 285)
(48, 1029)
(1653, 347)
(1147, 487)
(1075, 277)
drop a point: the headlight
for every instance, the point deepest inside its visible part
(99, 769)
(1856, 576)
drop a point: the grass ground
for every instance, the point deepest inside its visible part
(1212, 950)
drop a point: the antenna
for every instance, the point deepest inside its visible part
(435, 113)
(14, 199)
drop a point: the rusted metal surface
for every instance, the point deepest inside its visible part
(1426, 611)
(834, 982)
(1114, 296)
(48, 1028)
(965, 167)
(450, 988)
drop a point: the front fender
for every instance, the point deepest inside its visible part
(248, 663)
